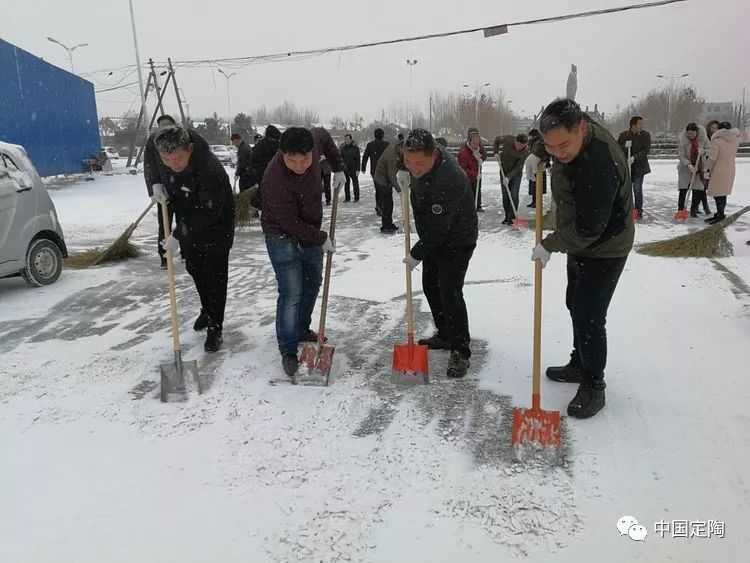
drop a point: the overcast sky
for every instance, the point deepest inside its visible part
(617, 55)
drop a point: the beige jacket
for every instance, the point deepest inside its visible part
(724, 146)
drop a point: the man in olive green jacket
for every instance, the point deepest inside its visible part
(591, 187)
(385, 176)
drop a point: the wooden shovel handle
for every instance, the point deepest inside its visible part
(407, 250)
(329, 263)
(170, 278)
(537, 359)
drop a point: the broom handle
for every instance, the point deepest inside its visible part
(329, 263)
(407, 248)
(170, 278)
(142, 215)
(507, 191)
(479, 183)
(537, 360)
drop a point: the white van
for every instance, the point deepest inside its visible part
(31, 239)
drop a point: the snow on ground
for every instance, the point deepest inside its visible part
(95, 468)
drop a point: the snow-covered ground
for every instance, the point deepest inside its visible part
(94, 468)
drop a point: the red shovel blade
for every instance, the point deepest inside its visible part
(520, 224)
(536, 430)
(318, 359)
(411, 360)
(681, 215)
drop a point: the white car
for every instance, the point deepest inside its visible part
(233, 154)
(223, 154)
(32, 244)
(111, 152)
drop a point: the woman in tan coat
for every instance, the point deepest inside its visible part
(724, 145)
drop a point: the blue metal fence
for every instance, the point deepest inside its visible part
(48, 110)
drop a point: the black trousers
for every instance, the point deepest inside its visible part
(170, 212)
(443, 284)
(210, 273)
(384, 200)
(352, 177)
(245, 183)
(327, 187)
(591, 285)
(721, 204)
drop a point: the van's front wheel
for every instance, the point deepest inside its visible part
(44, 263)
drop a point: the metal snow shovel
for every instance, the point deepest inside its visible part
(535, 429)
(410, 359)
(519, 224)
(628, 145)
(174, 374)
(318, 357)
(683, 214)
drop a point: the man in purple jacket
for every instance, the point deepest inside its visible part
(292, 217)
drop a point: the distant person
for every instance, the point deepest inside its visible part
(692, 145)
(537, 154)
(386, 176)
(196, 185)
(595, 228)
(400, 137)
(292, 218)
(724, 146)
(446, 221)
(257, 137)
(639, 166)
(711, 128)
(326, 172)
(442, 141)
(373, 150)
(264, 151)
(244, 171)
(151, 174)
(471, 155)
(511, 159)
(352, 161)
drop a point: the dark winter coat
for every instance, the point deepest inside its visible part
(373, 150)
(152, 164)
(352, 157)
(468, 162)
(511, 159)
(265, 150)
(291, 202)
(201, 196)
(244, 163)
(594, 198)
(444, 212)
(639, 151)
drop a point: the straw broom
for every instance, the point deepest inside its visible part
(121, 249)
(710, 242)
(244, 213)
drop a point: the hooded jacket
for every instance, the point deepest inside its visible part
(265, 150)
(724, 146)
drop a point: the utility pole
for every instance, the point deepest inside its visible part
(229, 106)
(411, 63)
(430, 113)
(138, 63)
(672, 78)
(69, 50)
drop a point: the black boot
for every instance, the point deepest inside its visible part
(718, 218)
(201, 323)
(214, 340)
(569, 373)
(587, 402)
(435, 342)
(694, 213)
(290, 363)
(458, 364)
(163, 263)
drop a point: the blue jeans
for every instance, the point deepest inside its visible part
(299, 272)
(514, 188)
(638, 191)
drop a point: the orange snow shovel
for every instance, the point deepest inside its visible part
(318, 357)
(410, 359)
(519, 224)
(535, 429)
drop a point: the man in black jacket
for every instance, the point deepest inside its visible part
(264, 151)
(640, 146)
(151, 174)
(383, 194)
(244, 171)
(352, 159)
(196, 185)
(447, 225)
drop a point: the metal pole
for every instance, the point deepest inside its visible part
(430, 112)
(177, 92)
(138, 61)
(229, 110)
(70, 58)
(476, 108)
(156, 85)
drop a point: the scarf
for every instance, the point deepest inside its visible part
(694, 151)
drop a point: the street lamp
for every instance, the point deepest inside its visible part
(229, 107)
(477, 90)
(69, 50)
(411, 63)
(672, 78)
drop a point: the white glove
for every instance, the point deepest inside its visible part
(542, 254)
(339, 179)
(171, 244)
(329, 246)
(477, 155)
(413, 262)
(628, 144)
(691, 168)
(702, 151)
(403, 177)
(160, 194)
(706, 175)
(506, 181)
(631, 160)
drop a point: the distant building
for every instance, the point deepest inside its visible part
(523, 124)
(48, 110)
(720, 111)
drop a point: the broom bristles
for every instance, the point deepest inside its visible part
(121, 250)
(244, 213)
(711, 242)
